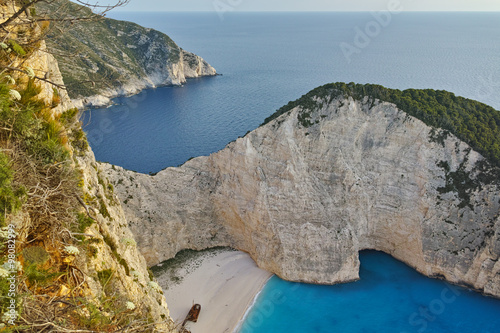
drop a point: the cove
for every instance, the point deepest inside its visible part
(390, 297)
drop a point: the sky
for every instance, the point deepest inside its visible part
(311, 5)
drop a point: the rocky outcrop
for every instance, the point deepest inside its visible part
(116, 250)
(104, 244)
(45, 65)
(307, 191)
(106, 58)
(174, 74)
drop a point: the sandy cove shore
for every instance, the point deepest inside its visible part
(223, 281)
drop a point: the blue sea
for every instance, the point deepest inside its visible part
(390, 297)
(268, 59)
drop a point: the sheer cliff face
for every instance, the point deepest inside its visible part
(303, 197)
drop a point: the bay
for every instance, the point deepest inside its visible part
(268, 59)
(390, 297)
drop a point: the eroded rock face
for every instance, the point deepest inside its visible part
(167, 73)
(304, 197)
(131, 280)
(45, 65)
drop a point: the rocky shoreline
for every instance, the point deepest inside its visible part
(112, 58)
(136, 86)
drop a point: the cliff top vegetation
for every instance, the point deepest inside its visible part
(105, 53)
(471, 121)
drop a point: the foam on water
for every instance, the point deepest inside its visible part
(252, 305)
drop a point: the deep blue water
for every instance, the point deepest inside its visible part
(390, 297)
(269, 59)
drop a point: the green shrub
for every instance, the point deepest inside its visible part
(103, 210)
(41, 277)
(83, 222)
(35, 255)
(11, 198)
(32, 124)
(473, 122)
(80, 226)
(56, 98)
(79, 141)
(114, 250)
(29, 95)
(93, 318)
(16, 48)
(69, 116)
(104, 277)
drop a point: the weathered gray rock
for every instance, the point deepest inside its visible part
(303, 201)
(117, 250)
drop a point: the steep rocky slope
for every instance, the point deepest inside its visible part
(78, 264)
(117, 58)
(304, 193)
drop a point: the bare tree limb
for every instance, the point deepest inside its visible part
(18, 13)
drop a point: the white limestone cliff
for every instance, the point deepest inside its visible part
(304, 200)
(189, 66)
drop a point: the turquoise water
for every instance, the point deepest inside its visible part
(269, 59)
(390, 297)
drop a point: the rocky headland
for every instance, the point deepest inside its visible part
(106, 58)
(333, 173)
(343, 169)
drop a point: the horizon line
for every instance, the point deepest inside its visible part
(305, 11)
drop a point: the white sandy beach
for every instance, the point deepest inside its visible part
(224, 283)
